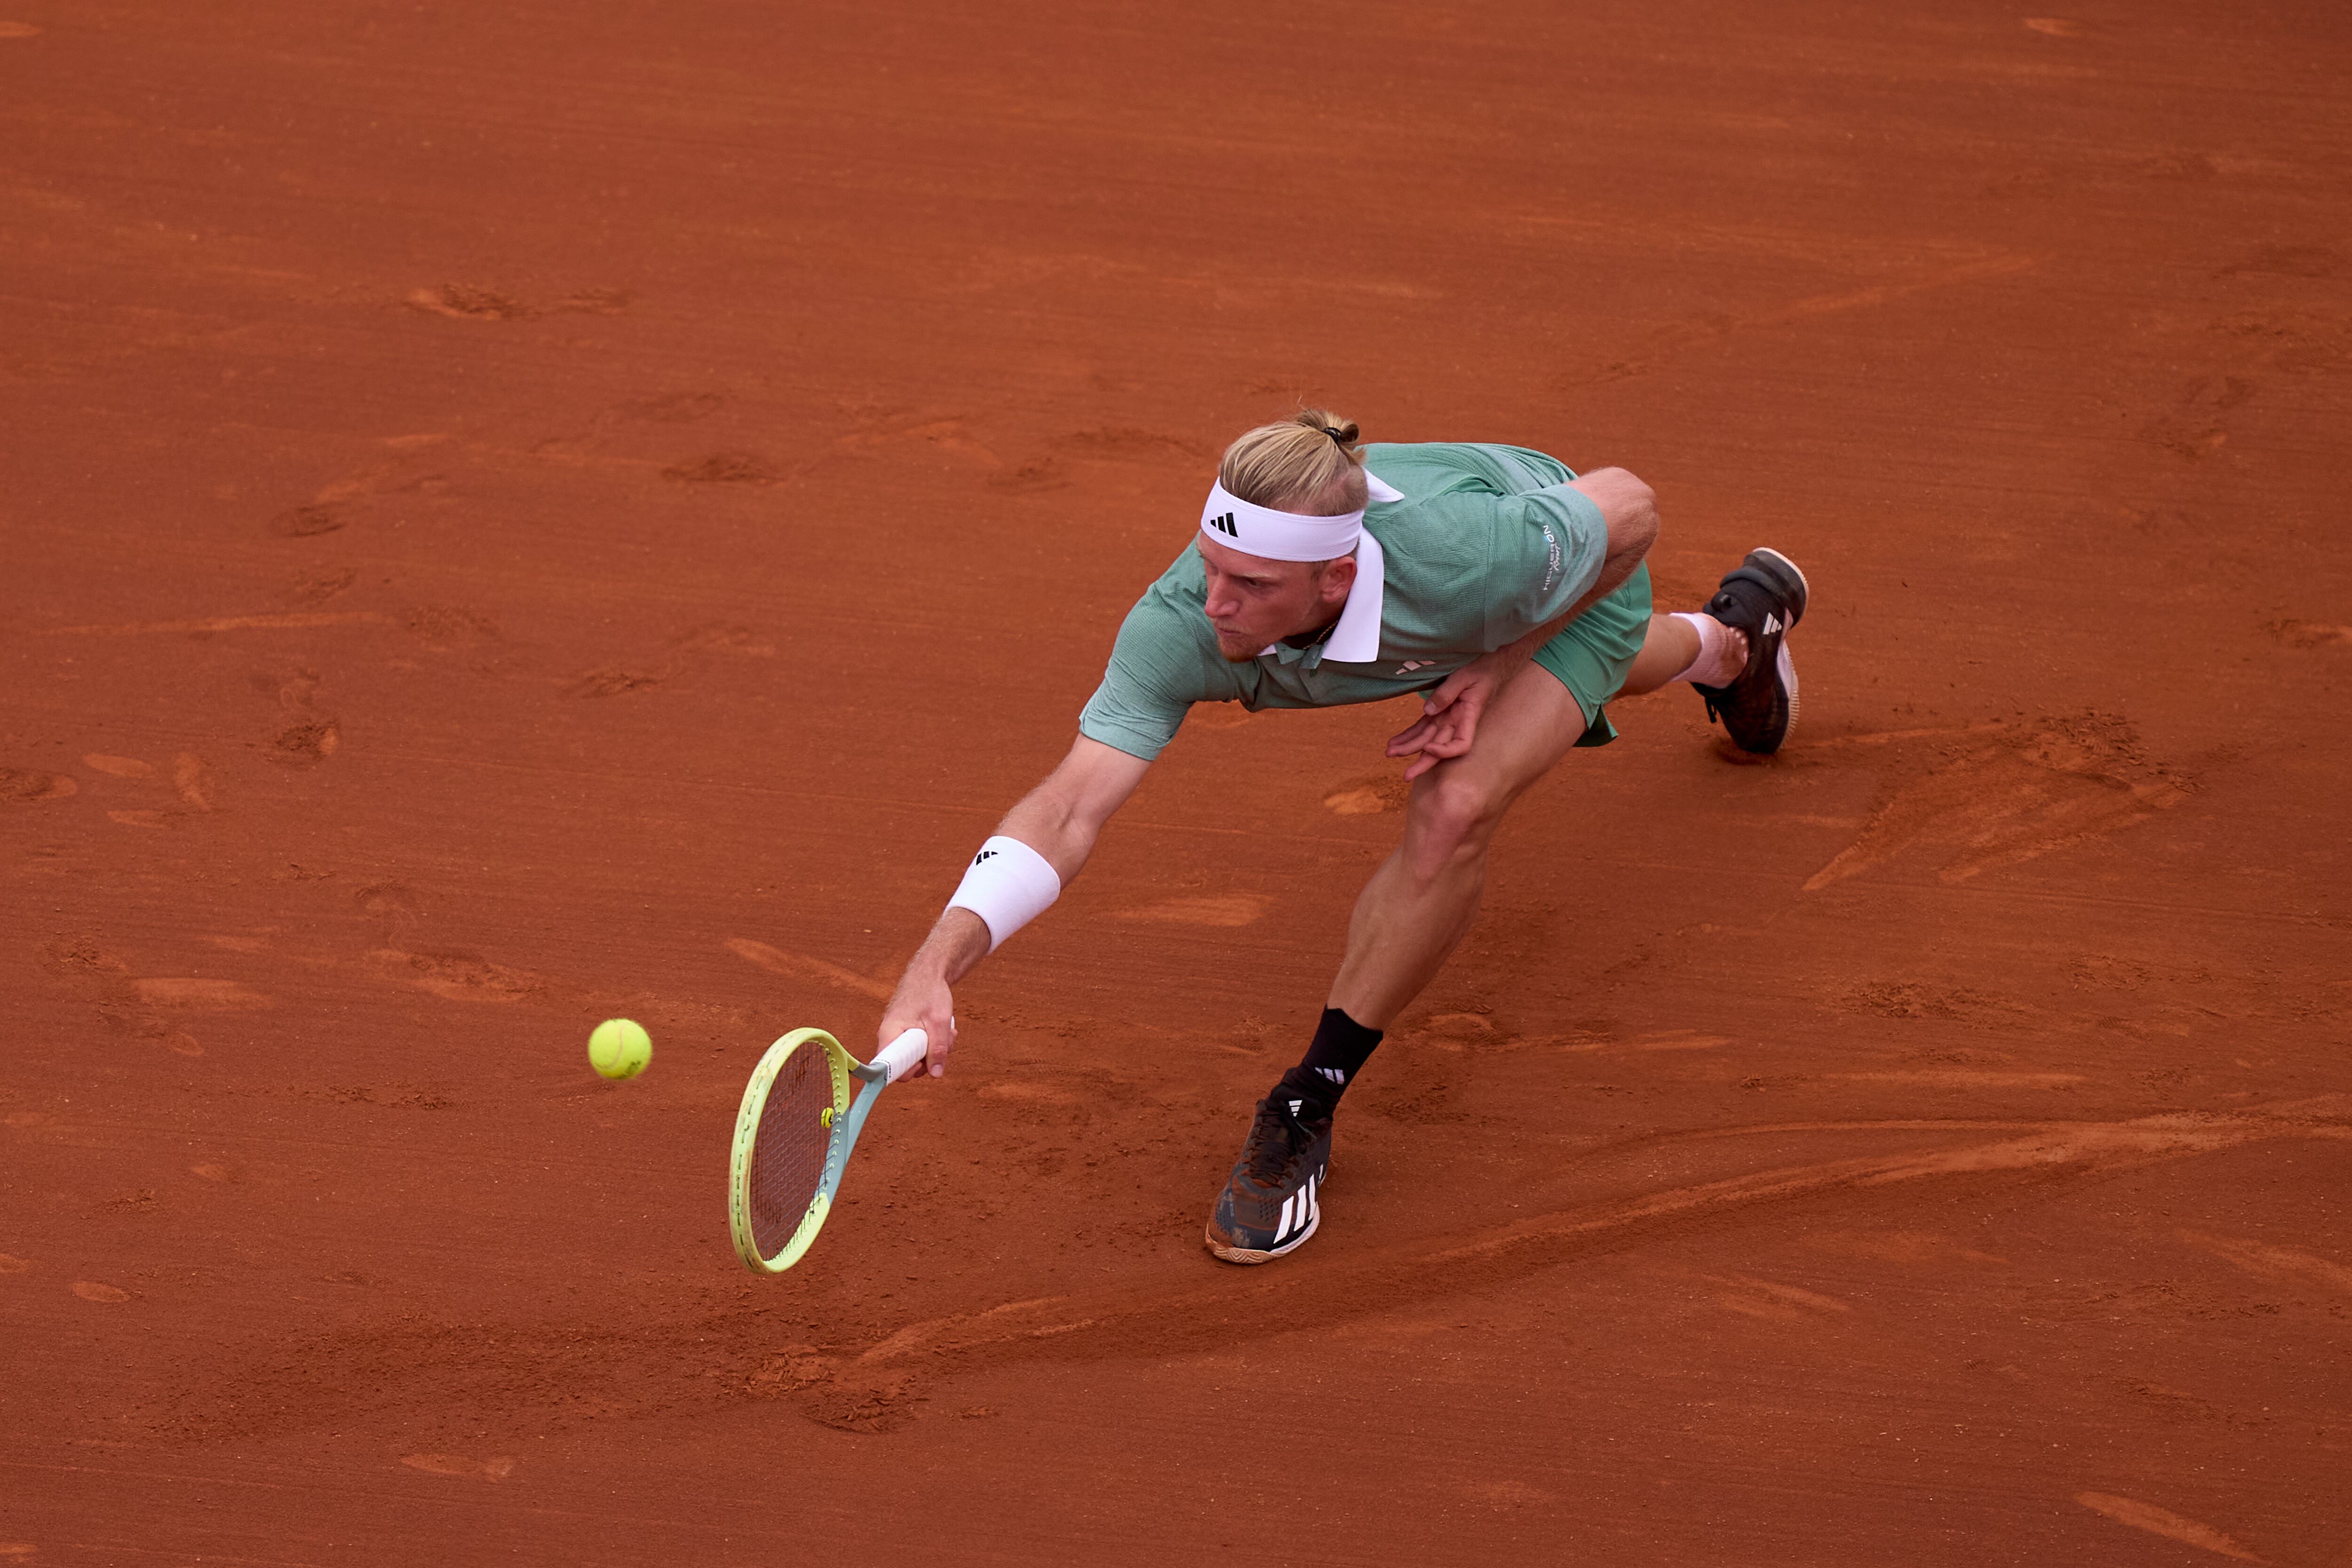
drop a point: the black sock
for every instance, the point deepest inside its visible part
(1342, 1048)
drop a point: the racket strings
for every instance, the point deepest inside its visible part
(788, 1151)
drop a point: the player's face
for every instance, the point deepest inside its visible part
(1254, 602)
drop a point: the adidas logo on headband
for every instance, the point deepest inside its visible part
(1290, 535)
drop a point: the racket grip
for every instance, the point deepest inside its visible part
(903, 1055)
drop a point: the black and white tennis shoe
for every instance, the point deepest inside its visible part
(1273, 1199)
(1763, 597)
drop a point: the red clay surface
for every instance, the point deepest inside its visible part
(522, 513)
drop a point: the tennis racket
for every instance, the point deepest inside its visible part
(793, 1136)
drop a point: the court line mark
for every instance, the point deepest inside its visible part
(1110, 1319)
(292, 620)
(1672, 339)
(799, 966)
(2165, 1522)
(2265, 1261)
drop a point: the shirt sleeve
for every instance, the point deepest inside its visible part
(1548, 545)
(1152, 681)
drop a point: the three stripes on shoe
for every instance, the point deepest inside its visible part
(1303, 1202)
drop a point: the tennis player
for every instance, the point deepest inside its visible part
(1506, 590)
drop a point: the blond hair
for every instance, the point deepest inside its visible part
(1307, 465)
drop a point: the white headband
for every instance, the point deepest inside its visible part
(1286, 535)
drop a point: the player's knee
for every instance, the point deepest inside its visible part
(1629, 510)
(1455, 815)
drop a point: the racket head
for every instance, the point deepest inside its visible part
(788, 1135)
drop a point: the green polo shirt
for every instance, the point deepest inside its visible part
(1488, 543)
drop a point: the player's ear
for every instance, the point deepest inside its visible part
(1338, 578)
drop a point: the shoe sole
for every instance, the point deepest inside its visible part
(1789, 683)
(1794, 570)
(1231, 1254)
(1788, 667)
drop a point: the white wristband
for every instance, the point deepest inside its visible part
(1008, 885)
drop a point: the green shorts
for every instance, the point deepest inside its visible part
(1592, 653)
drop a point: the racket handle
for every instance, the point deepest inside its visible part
(903, 1055)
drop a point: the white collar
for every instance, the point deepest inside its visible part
(1356, 638)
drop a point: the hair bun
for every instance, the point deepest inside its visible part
(1322, 423)
(1304, 465)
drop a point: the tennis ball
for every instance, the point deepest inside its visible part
(620, 1048)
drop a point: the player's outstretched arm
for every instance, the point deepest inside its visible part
(1041, 844)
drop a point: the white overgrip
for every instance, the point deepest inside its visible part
(903, 1055)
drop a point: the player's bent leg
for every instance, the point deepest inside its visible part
(1670, 649)
(1421, 901)
(1410, 916)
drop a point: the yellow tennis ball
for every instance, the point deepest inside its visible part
(620, 1048)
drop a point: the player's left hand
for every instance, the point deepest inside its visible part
(1449, 715)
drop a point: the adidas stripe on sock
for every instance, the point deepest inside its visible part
(1340, 1050)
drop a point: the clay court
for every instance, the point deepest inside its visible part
(523, 514)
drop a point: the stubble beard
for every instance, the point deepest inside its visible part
(1247, 655)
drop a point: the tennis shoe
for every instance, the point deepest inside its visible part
(1763, 597)
(1273, 1201)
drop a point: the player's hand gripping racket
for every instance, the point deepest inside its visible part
(794, 1135)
